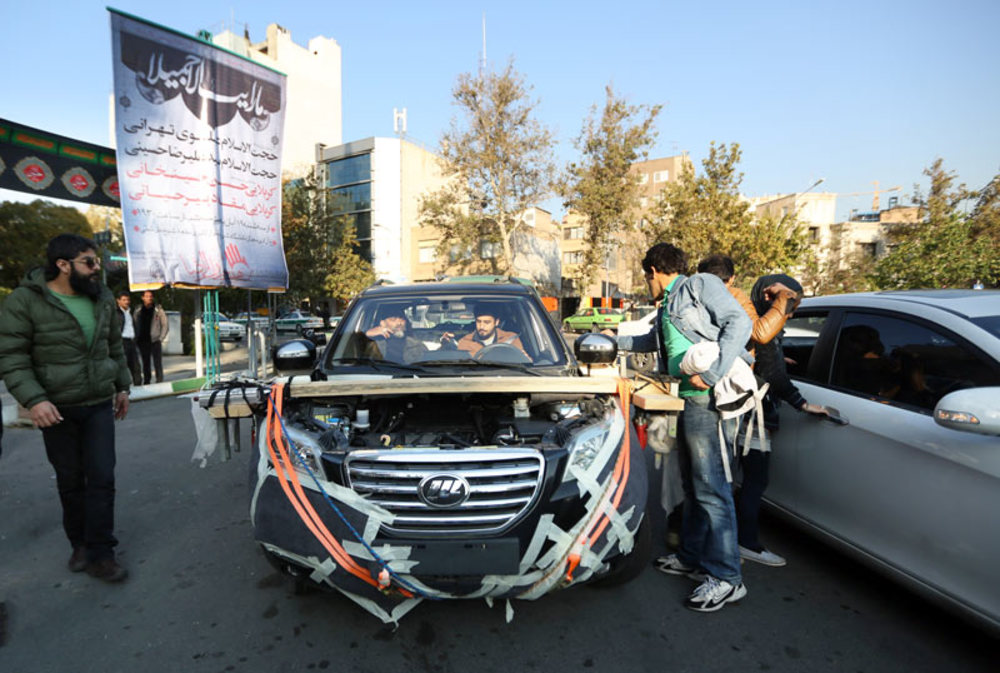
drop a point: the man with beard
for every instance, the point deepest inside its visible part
(390, 339)
(150, 330)
(128, 336)
(61, 357)
(487, 333)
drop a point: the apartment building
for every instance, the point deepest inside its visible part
(313, 89)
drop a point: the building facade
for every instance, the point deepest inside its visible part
(313, 90)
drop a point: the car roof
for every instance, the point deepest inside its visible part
(965, 303)
(419, 289)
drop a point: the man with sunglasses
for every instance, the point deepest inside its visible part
(61, 357)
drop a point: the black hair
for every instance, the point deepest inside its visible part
(665, 258)
(718, 265)
(64, 246)
(123, 293)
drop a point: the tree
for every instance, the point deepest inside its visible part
(320, 247)
(706, 214)
(601, 187)
(498, 161)
(948, 248)
(25, 229)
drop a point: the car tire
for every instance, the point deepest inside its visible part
(624, 569)
(298, 330)
(644, 363)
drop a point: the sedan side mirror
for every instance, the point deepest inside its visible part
(970, 410)
(595, 349)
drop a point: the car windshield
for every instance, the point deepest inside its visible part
(446, 335)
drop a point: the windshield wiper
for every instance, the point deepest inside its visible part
(380, 365)
(482, 363)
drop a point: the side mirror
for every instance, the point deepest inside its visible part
(595, 349)
(971, 410)
(296, 355)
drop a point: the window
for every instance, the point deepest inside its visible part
(869, 250)
(426, 252)
(575, 257)
(643, 178)
(349, 170)
(529, 218)
(459, 252)
(349, 199)
(573, 233)
(661, 176)
(798, 341)
(904, 362)
(490, 249)
(814, 234)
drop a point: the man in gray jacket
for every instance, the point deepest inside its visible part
(151, 329)
(693, 310)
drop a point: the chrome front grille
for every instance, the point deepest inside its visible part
(502, 485)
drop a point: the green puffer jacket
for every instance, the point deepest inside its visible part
(43, 352)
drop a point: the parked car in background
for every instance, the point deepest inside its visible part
(297, 321)
(593, 320)
(228, 329)
(907, 478)
(257, 320)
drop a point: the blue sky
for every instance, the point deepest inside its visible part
(849, 91)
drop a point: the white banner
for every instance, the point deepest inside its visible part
(199, 133)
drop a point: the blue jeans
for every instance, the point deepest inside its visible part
(708, 527)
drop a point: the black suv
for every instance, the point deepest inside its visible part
(446, 445)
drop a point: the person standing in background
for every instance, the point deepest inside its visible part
(150, 330)
(128, 336)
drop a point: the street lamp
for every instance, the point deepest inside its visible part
(812, 186)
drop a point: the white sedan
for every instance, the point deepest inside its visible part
(907, 477)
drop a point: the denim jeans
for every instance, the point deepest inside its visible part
(81, 448)
(708, 528)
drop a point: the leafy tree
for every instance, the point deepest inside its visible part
(498, 160)
(320, 247)
(601, 187)
(948, 248)
(705, 214)
(25, 229)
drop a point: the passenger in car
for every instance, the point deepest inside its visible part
(486, 333)
(391, 340)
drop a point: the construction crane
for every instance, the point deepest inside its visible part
(875, 192)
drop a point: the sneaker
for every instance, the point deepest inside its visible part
(763, 557)
(713, 594)
(672, 565)
(107, 569)
(78, 561)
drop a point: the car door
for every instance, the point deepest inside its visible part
(920, 497)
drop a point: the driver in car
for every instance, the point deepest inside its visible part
(487, 333)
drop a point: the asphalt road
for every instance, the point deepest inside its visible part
(201, 596)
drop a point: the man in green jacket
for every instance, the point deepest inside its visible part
(61, 357)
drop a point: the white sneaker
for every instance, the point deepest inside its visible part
(764, 557)
(713, 594)
(672, 565)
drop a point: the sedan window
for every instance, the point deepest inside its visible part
(798, 341)
(905, 362)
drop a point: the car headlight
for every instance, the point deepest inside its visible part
(306, 448)
(594, 444)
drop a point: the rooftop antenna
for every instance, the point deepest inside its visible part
(399, 122)
(482, 62)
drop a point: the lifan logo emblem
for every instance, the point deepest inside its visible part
(443, 490)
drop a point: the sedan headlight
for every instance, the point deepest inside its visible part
(305, 445)
(594, 444)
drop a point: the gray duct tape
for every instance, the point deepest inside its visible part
(537, 540)
(371, 529)
(510, 612)
(323, 571)
(387, 618)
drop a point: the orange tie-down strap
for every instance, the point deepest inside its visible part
(284, 469)
(592, 533)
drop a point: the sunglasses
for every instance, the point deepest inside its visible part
(91, 262)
